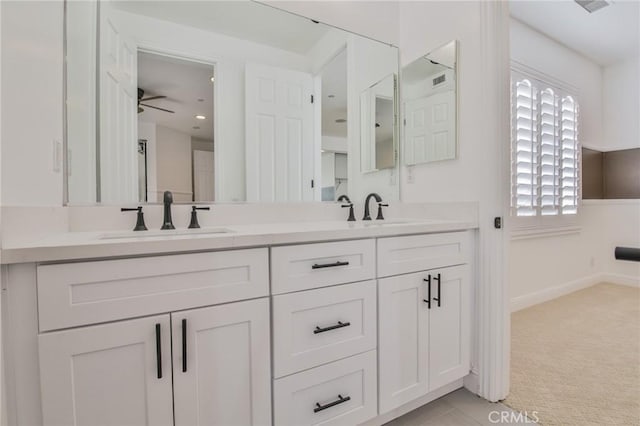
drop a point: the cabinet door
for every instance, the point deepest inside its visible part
(403, 324)
(221, 365)
(449, 336)
(113, 374)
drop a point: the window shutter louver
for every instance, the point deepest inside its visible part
(524, 156)
(569, 145)
(545, 164)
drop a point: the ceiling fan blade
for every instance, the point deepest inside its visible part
(152, 98)
(161, 109)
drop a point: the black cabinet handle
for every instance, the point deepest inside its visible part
(329, 265)
(428, 299)
(340, 400)
(184, 345)
(439, 298)
(340, 324)
(158, 351)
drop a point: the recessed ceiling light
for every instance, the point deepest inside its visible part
(201, 117)
(341, 120)
(213, 79)
(196, 127)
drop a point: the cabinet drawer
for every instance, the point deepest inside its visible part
(401, 255)
(341, 393)
(307, 266)
(91, 292)
(319, 326)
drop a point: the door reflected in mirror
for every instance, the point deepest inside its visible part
(429, 97)
(224, 101)
(175, 121)
(378, 125)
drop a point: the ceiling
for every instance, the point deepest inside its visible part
(246, 20)
(188, 88)
(334, 82)
(606, 36)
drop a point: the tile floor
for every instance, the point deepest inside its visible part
(459, 408)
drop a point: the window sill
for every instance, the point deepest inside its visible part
(531, 233)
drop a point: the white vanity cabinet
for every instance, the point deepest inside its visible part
(325, 336)
(203, 366)
(424, 317)
(337, 333)
(111, 374)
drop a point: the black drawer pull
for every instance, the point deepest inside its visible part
(428, 299)
(439, 298)
(340, 324)
(184, 345)
(158, 351)
(340, 400)
(328, 265)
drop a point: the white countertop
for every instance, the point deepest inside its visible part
(95, 245)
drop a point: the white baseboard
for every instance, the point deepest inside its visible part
(628, 280)
(527, 300)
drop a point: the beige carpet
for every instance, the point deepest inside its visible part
(576, 359)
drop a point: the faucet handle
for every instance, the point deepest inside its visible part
(140, 226)
(352, 217)
(194, 216)
(380, 206)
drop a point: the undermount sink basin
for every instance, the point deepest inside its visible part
(164, 233)
(388, 222)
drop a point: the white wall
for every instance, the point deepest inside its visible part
(546, 267)
(539, 265)
(621, 105)
(538, 51)
(31, 102)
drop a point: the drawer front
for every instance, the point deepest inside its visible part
(401, 255)
(307, 266)
(91, 292)
(341, 393)
(319, 326)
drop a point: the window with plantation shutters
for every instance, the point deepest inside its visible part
(545, 165)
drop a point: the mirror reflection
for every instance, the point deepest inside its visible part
(378, 124)
(429, 94)
(223, 101)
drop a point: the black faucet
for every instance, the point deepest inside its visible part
(140, 226)
(167, 222)
(194, 216)
(367, 216)
(352, 217)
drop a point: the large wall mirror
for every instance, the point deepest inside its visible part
(429, 97)
(224, 101)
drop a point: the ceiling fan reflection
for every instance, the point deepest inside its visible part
(142, 99)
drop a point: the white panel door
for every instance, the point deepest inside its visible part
(221, 365)
(203, 175)
(403, 327)
(430, 128)
(110, 375)
(449, 325)
(118, 112)
(279, 134)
